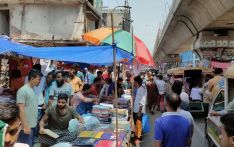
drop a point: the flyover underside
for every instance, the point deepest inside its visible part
(188, 20)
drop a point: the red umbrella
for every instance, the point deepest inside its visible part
(142, 53)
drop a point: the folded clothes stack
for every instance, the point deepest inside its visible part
(87, 138)
(102, 113)
(91, 134)
(123, 103)
(122, 114)
(105, 128)
(107, 105)
(122, 125)
(112, 136)
(99, 139)
(87, 142)
(126, 96)
(109, 139)
(108, 143)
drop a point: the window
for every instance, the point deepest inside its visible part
(230, 89)
(4, 22)
(219, 102)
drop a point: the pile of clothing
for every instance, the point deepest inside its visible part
(102, 113)
(109, 139)
(87, 138)
(91, 134)
(99, 139)
(126, 96)
(123, 103)
(122, 114)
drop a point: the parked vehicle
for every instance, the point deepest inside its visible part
(221, 104)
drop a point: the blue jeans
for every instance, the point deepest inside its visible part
(27, 138)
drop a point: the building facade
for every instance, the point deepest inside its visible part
(50, 22)
(121, 18)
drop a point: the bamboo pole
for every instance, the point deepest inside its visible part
(115, 76)
(132, 94)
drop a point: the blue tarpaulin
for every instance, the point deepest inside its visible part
(7, 45)
(101, 55)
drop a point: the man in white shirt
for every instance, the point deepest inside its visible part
(160, 84)
(184, 101)
(196, 94)
(139, 101)
(161, 89)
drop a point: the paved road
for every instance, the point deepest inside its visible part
(198, 136)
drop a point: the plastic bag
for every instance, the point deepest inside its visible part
(74, 126)
(91, 122)
(145, 123)
(138, 128)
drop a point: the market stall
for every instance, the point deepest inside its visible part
(100, 127)
(91, 55)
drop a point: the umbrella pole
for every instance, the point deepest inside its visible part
(115, 76)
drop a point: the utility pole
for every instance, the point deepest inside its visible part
(127, 17)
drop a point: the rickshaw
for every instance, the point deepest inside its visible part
(199, 108)
(224, 95)
(188, 75)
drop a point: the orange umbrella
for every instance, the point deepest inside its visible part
(96, 36)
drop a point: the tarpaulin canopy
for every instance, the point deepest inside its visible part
(6, 45)
(101, 55)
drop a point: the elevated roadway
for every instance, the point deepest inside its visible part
(187, 21)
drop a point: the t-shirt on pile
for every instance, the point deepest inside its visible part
(112, 136)
(91, 134)
(122, 114)
(109, 139)
(107, 143)
(102, 113)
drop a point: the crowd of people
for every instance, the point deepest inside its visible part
(51, 101)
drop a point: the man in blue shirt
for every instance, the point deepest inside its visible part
(79, 73)
(172, 129)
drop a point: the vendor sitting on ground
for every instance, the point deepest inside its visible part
(82, 101)
(58, 118)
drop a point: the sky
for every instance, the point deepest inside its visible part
(147, 16)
